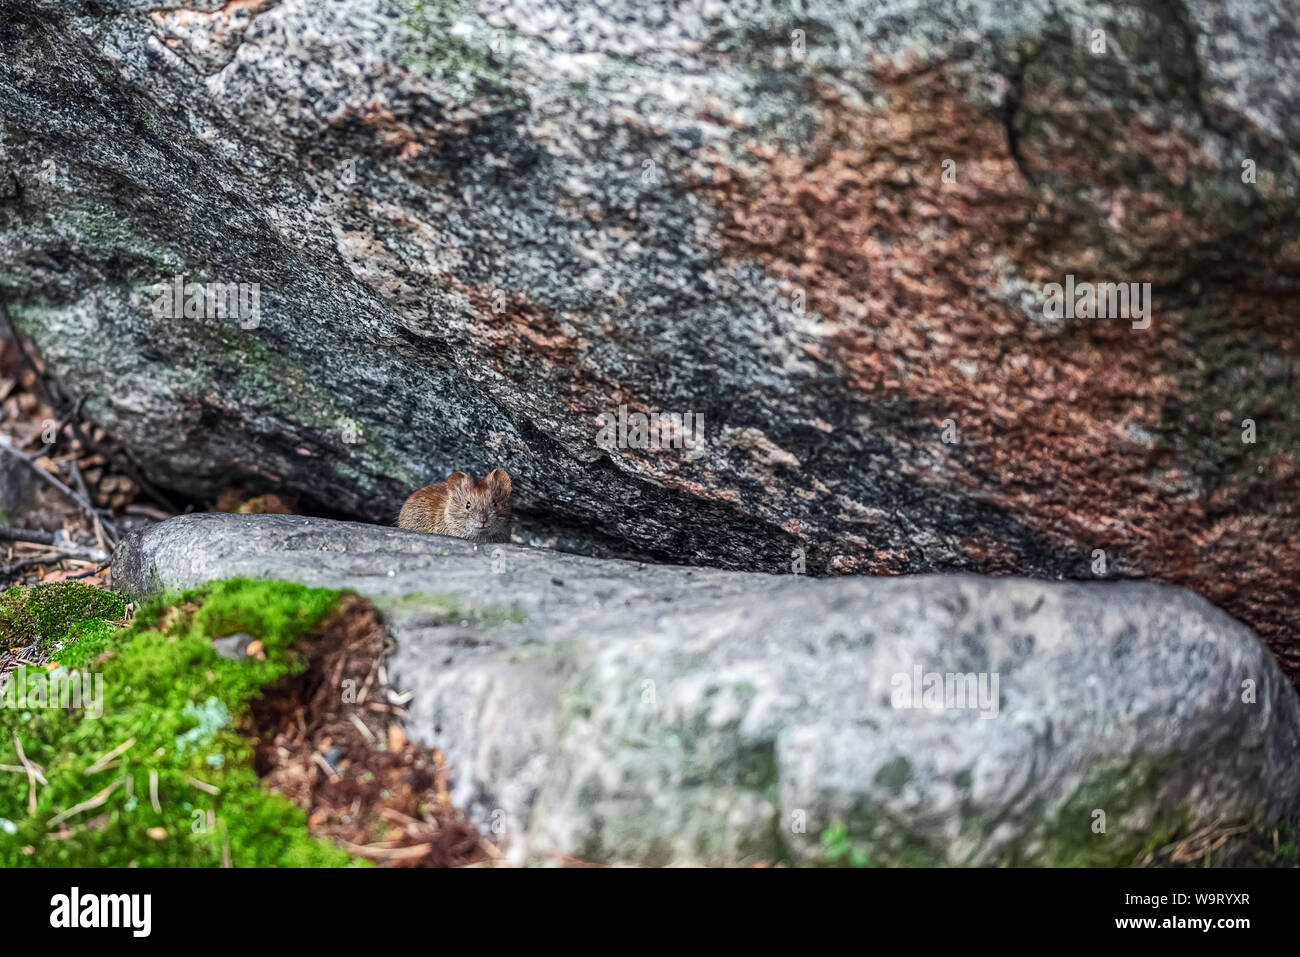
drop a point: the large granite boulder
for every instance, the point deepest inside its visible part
(476, 226)
(614, 711)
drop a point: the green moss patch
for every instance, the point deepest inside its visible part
(1071, 838)
(182, 792)
(47, 613)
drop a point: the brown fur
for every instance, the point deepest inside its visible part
(462, 506)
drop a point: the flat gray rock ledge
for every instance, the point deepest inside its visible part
(619, 712)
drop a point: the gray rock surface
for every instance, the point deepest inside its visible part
(655, 714)
(478, 225)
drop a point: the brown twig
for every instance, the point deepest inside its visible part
(148, 511)
(413, 853)
(88, 804)
(31, 461)
(203, 786)
(29, 763)
(49, 540)
(18, 566)
(99, 524)
(361, 726)
(91, 571)
(12, 533)
(33, 775)
(82, 498)
(10, 570)
(100, 764)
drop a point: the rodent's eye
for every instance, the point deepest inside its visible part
(467, 504)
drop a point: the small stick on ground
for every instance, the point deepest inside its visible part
(83, 500)
(89, 804)
(204, 786)
(9, 569)
(32, 777)
(397, 817)
(153, 792)
(148, 511)
(31, 536)
(11, 533)
(412, 853)
(117, 751)
(53, 480)
(325, 765)
(89, 505)
(361, 726)
(92, 571)
(365, 688)
(50, 559)
(31, 793)
(29, 763)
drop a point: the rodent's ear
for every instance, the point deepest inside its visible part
(455, 478)
(499, 479)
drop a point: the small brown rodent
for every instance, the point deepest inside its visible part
(462, 506)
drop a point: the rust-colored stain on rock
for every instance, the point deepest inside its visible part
(932, 290)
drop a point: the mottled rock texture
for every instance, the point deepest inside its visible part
(656, 714)
(477, 226)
